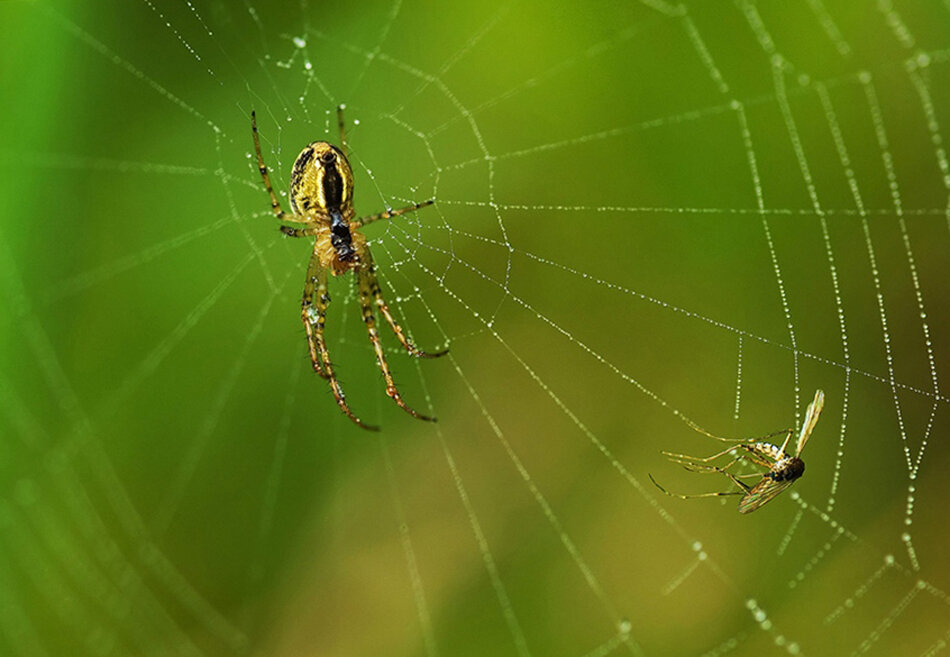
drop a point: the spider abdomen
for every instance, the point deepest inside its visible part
(322, 181)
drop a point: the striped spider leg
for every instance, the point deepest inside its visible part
(321, 200)
(781, 470)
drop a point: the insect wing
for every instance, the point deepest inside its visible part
(762, 492)
(811, 419)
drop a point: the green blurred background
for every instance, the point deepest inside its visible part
(642, 217)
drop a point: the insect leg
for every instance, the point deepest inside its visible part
(757, 456)
(704, 468)
(715, 469)
(681, 458)
(744, 490)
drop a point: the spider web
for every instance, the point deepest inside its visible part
(649, 219)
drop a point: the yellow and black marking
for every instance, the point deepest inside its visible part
(322, 181)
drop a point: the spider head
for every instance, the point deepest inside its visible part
(322, 181)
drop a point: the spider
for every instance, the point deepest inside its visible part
(781, 471)
(321, 199)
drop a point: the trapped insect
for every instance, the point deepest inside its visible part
(782, 470)
(321, 199)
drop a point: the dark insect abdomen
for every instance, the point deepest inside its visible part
(790, 471)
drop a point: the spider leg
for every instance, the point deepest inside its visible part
(366, 306)
(389, 214)
(744, 489)
(368, 273)
(314, 320)
(313, 317)
(274, 203)
(298, 232)
(341, 124)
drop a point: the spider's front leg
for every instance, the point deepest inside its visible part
(262, 168)
(314, 316)
(366, 281)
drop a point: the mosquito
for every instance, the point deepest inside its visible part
(781, 469)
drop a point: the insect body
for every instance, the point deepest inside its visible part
(781, 469)
(321, 199)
